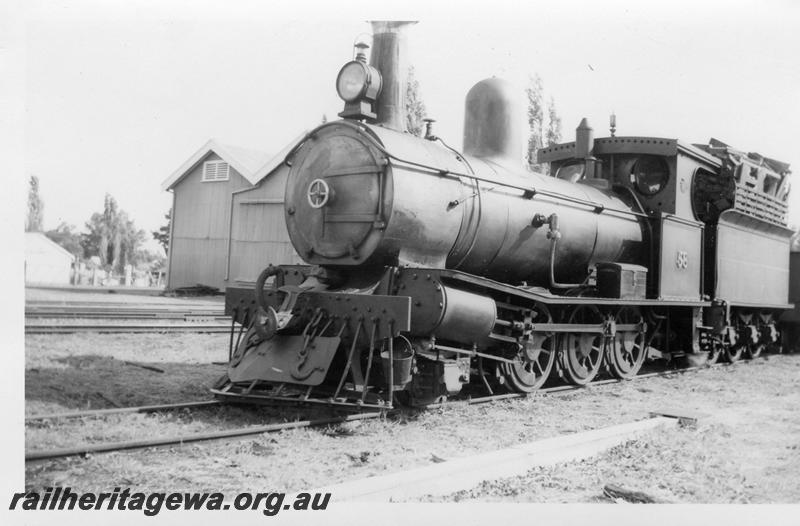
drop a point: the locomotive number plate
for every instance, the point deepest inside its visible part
(682, 259)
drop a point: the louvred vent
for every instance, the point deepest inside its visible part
(215, 171)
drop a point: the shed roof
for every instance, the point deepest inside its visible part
(253, 165)
(37, 242)
(246, 161)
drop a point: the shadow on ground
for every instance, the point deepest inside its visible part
(92, 381)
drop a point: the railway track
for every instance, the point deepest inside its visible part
(96, 413)
(69, 328)
(118, 314)
(269, 428)
(195, 437)
(114, 310)
(567, 389)
(124, 318)
(68, 305)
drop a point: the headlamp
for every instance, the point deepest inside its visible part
(358, 84)
(353, 81)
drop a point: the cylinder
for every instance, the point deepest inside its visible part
(467, 318)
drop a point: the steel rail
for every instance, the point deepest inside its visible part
(68, 307)
(140, 300)
(254, 430)
(96, 413)
(112, 312)
(122, 305)
(566, 389)
(128, 328)
(155, 318)
(196, 437)
(115, 309)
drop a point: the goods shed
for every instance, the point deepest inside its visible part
(220, 231)
(201, 195)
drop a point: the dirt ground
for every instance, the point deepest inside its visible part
(93, 371)
(744, 451)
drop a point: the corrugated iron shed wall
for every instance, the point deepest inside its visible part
(258, 229)
(201, 220)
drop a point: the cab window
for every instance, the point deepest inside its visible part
(650, 174)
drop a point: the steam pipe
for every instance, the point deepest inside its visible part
(553, 234)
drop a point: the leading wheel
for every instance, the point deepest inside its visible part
(625, 353)
(581, 353)
(535, 358)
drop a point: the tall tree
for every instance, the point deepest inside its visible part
(66, 236)
(109, 233)
(544, 123)
(33, 221)
(534, 93)
(162, 235)
(112, 236)
(415, 108)
(130, 239)
(553, 135)
(91, 241)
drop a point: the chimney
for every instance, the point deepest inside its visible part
(389, 57)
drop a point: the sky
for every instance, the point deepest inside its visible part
(119, 94)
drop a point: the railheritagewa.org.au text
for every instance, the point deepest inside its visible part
(152, 503)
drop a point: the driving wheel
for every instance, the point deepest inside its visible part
(625, 353)
(535, 358)
(581, 352)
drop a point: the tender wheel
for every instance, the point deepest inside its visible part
(625, 353)
(536, 358)
(581, 353)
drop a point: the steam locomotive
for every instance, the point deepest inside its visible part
(430, 269)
